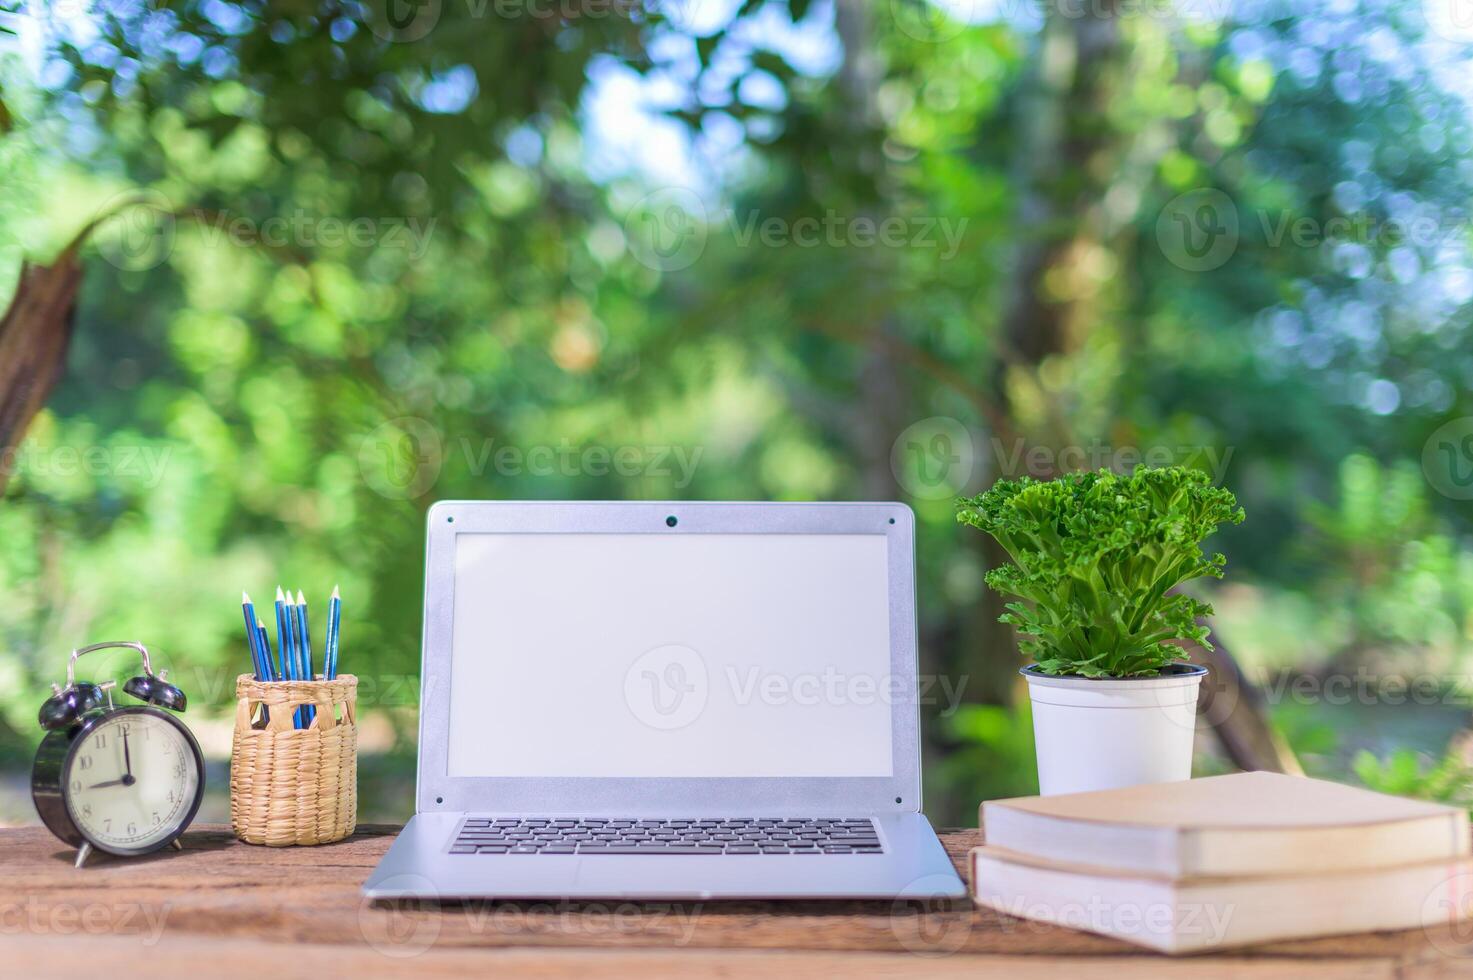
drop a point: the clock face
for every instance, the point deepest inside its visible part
(132, 781)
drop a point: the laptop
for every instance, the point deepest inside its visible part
(649, 700)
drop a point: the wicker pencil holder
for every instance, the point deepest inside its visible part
(288, 785)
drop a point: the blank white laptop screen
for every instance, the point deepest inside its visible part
(671, 655)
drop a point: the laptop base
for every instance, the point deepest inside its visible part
(420, 865)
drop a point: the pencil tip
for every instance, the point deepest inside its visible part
(245, 598)
(335, 592)
(279, 596)
(301, 600)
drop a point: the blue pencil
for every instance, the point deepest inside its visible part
(305, 650)
(286, 638)
(294, 611)
(264, 643)
(283, 639)
(263, 652)
(330, 651)
(252, 641)
(306, 637)
(299, 660)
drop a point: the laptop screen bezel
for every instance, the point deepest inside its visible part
(438, 792)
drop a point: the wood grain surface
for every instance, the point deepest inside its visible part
(226, 909)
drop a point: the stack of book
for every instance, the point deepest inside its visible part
(1225, 861)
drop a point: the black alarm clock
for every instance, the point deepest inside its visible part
(125, 780)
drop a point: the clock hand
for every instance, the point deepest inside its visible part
(110, 782)
(127, 759)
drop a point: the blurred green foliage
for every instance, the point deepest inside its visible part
(1448, 779)
(352, 262)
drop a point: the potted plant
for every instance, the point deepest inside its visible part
(1095, 560)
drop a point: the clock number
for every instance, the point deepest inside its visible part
(131, 829)
(76, 785)
(100, 740)
(86, 809)
(107, 825)
(84, 763)
(156, 820)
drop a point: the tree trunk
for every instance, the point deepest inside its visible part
(1061, 176)
(1235, 709)
(34, 335)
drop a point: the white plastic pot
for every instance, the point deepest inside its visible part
(1104, 733)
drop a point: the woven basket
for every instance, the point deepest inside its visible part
(294, 786)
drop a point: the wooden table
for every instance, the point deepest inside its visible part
(224, 909)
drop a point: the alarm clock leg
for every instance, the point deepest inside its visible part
(176, 845)
(83, 855)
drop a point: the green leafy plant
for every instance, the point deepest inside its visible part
(1095, 557)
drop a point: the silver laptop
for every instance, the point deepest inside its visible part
(668, 701)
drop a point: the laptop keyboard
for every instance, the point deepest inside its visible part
(738, 835)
